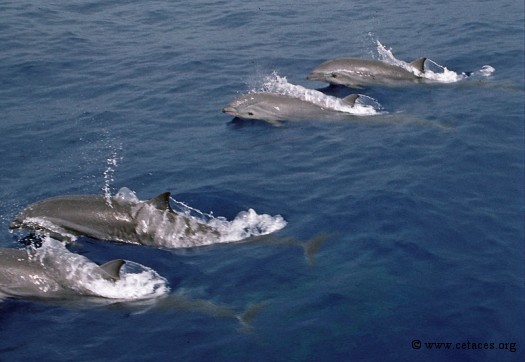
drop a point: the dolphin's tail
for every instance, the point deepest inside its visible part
(310, 247)
(313, 245)
(248, 314)
(179, 302)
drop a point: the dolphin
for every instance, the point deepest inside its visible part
(24, 274)
(274, 107)
(180, 302)
(152, 223)
(356, 72)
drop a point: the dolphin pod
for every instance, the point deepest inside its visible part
(356, 72)
(350, 72)
(154, 222)
(34, 275)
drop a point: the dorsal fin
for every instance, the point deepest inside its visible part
(419, 64)
(161, 202)
(112, 269)
(351, 99)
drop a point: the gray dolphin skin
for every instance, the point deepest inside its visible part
(24, 275)
(152, 223)
(272, 108)
(356, 72)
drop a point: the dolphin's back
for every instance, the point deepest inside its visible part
(91, 215)
(281, 107)
(358, 71)
(376, 68)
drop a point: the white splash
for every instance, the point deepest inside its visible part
(171, 233)
(387, 56)
(77, 273)
(274, 83)
(109, 172)
(486, 70)
(434, 72)
(41, 223)
(127, 195)
(136, 282)
(246, 224)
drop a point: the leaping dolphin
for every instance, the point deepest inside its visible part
(356, 72)
(23, 274)
(152, 222)
(273, 107)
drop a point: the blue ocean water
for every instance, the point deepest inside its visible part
(424, 209)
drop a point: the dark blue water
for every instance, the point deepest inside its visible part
(425, 209)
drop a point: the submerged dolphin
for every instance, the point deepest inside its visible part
(273, 107)
(355, 72)
(25, 275)
(152, 223)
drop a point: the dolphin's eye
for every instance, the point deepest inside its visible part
(250, 113)
(334, 75)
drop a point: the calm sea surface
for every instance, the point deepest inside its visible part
(424, 208)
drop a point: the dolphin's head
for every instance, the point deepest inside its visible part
(328, 77)
(55, 215)
(50, 207)
(34, 221)
(250, 106)
(329, 71)
(229, 109)
(21, 218)
(15, 224)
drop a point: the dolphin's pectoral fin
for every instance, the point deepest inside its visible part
(274, 122)
(419, 64)
(66, 238)
(112, 269)
(161, 202)
(350, 100)
(354, 85)
(38, 231)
